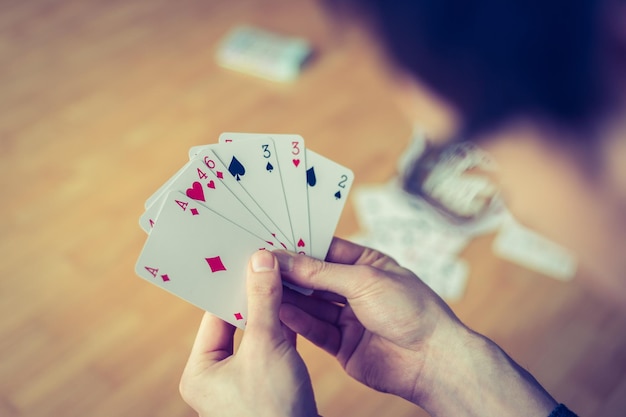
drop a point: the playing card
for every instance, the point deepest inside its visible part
(230, 200)
(255, 167)
(222, 173)
(291, 160)
(328, 185)
(201, 184)
(199, 256)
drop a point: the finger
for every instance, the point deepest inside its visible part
(318, 294)
(214, 340)
(317, 307)
(319, 332)
(344, 252)
(264, 287)
(329, 296)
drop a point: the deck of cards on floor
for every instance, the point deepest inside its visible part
(245, 193)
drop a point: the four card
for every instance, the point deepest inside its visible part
(248, 192)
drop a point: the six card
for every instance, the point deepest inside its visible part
(249, 192)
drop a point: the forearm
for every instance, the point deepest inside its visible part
(469, 375)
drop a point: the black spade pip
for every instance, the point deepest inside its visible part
(310, 177)
(236, 169)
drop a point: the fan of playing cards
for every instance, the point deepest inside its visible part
(248, 192)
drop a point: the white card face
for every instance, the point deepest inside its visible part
(291, 159)
(255, 168)
(328, 186)
(199, 256)
(222, 173)
(199, 183)
(326, 197)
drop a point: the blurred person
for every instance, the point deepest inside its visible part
(544, 80)
(540, 86)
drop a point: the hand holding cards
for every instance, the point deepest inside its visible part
(246, 193)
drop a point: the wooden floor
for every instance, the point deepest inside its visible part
(99, 102)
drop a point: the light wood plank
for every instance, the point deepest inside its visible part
(100, 102)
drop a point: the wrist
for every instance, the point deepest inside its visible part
(465, 373)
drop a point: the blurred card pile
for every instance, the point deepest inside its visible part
(263, 53)
(436, 206)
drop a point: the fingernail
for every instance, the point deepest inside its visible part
(285, 260)
(262, 261)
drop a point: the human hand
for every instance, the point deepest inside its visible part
(387, 323)
(394, 334)
(266, 377)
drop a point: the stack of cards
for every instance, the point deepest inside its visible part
(248, 192)
(264, 54)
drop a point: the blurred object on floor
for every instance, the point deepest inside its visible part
(264, 54)
(427, 216)
(458, 179)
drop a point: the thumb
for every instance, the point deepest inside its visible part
(264, 288)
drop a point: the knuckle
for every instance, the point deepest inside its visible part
(186, 388)
(193, 392)
(375, 281)
(264, 288)
(265, 283)
(376, 258)
(367, 271)
(368, 278)
(371, 273)
(310, 267)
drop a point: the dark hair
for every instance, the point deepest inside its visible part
(497, 59)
